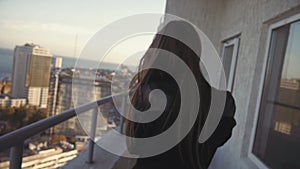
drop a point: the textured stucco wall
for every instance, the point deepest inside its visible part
(223, 19)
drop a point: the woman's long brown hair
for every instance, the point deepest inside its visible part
(188, 149)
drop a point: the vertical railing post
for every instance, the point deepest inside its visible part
(15, 156)
(123, 109)
(92, 136)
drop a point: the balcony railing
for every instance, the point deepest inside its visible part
(15, 140)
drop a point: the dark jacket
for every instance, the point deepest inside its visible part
(171, 160)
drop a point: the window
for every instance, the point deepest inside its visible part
(229, 59)
(277, 137)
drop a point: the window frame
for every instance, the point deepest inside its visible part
(259, 163)
(235, 42)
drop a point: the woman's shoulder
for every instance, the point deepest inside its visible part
(227, 97)
(230, 108)
(227, 123)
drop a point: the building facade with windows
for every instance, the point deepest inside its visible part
(73, 91)
(6, 101)
(31, 74)
(258, 42)
(53, 84)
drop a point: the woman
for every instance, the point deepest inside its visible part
(188, 153)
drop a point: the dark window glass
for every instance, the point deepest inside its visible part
(228, 53)
(277, 139)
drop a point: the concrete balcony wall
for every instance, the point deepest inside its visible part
(249, 19)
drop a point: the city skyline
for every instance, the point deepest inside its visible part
(64, 26)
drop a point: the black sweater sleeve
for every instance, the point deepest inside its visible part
(223, 131)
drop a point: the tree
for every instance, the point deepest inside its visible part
(57, 138)
(21, 116)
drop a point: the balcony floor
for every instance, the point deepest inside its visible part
(102, 158)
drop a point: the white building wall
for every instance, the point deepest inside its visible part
(250, 19)
(12, 102)
(45, 159)
(44, 97)
(17, 102)
(58, 62)
(34, 96)
(4, 102)
(38, 96)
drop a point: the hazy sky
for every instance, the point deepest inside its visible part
(292, 57)
(54, 23)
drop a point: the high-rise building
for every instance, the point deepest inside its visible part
(53, 85)
(31, 74)
(57, 62)
(77, 91)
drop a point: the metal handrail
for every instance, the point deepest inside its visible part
(15, 139)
